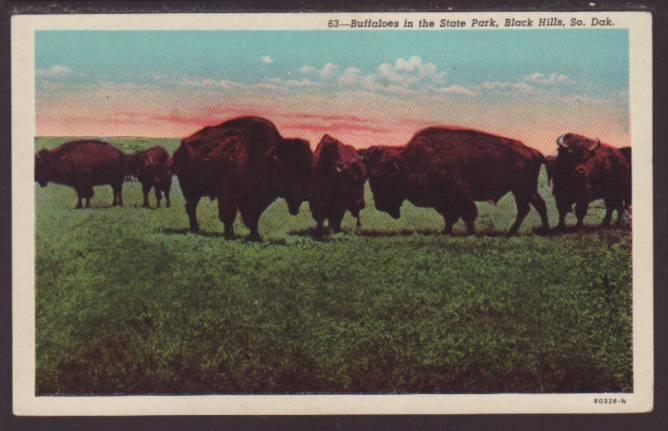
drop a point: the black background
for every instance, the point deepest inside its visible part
(657, 420)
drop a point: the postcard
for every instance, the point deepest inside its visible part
(332, 213)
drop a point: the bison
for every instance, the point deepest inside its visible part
(450, 168)
(338, 183)
(152, 168)
(585, 170)
(81, 165)
(246, 164)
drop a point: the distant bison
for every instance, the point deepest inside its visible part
(152, 169)
(338, 183)
(448, 169)
(585, 170)
(81, 165)
(246, 164)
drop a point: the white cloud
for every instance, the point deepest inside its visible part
(208, 83)
(326, 73)
(298, 83)
(350, 76)
(54, 72)
(458, 89)
(494, 85)
(553, 78)
(411, 71)
(308, 69)
(266, 59)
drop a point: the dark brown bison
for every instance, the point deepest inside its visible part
(372, 155)
(338, 183)
(448, 169)
(586, 170)
(246, 164)
(81, 165)
(152, 168)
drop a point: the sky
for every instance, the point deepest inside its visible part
(362, 87)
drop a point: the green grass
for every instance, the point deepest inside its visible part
(128, 302)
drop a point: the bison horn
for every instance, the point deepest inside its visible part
(339, 168)
(560, 142)
(596, 145)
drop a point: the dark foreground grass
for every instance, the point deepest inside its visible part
(128, 302)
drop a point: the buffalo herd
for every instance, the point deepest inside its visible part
(245, 164)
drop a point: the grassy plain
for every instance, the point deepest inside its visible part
(129, 302)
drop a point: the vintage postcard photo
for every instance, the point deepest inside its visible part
(331, 213)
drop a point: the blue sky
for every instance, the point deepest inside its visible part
(467, 56)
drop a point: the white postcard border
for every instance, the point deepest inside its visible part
(639, 25)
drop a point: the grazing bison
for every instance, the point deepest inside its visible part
(585, 170)
(448, 169)
(338, 183)
(81, 165)
(246, 164)
(152, 168)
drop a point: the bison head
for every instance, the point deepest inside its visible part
(387, 180)
(576, 149)
(370, 156)
(132, 165)
(291, 162)
(42, 167)
(351, 177)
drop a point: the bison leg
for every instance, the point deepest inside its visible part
(88, 195)
(335, 221)
(466, 207)
(620, 212)
(165, 191)
(539, 204)
(191, 210)
(146, 188)
(79, 199)
(609, 209)
(563, 208)
(158, 196)
(320, 226)
(450, 219)
(580, 212)
(118, 194)
(522, 203)
(251, 216)
(227, 212)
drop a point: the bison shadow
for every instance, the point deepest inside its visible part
(186, 231)
(379, 233)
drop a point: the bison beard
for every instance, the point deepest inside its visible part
(152, 168)
(338, 183)
(81, 165)
(449, 169)
(246, 164)
(585, 170)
